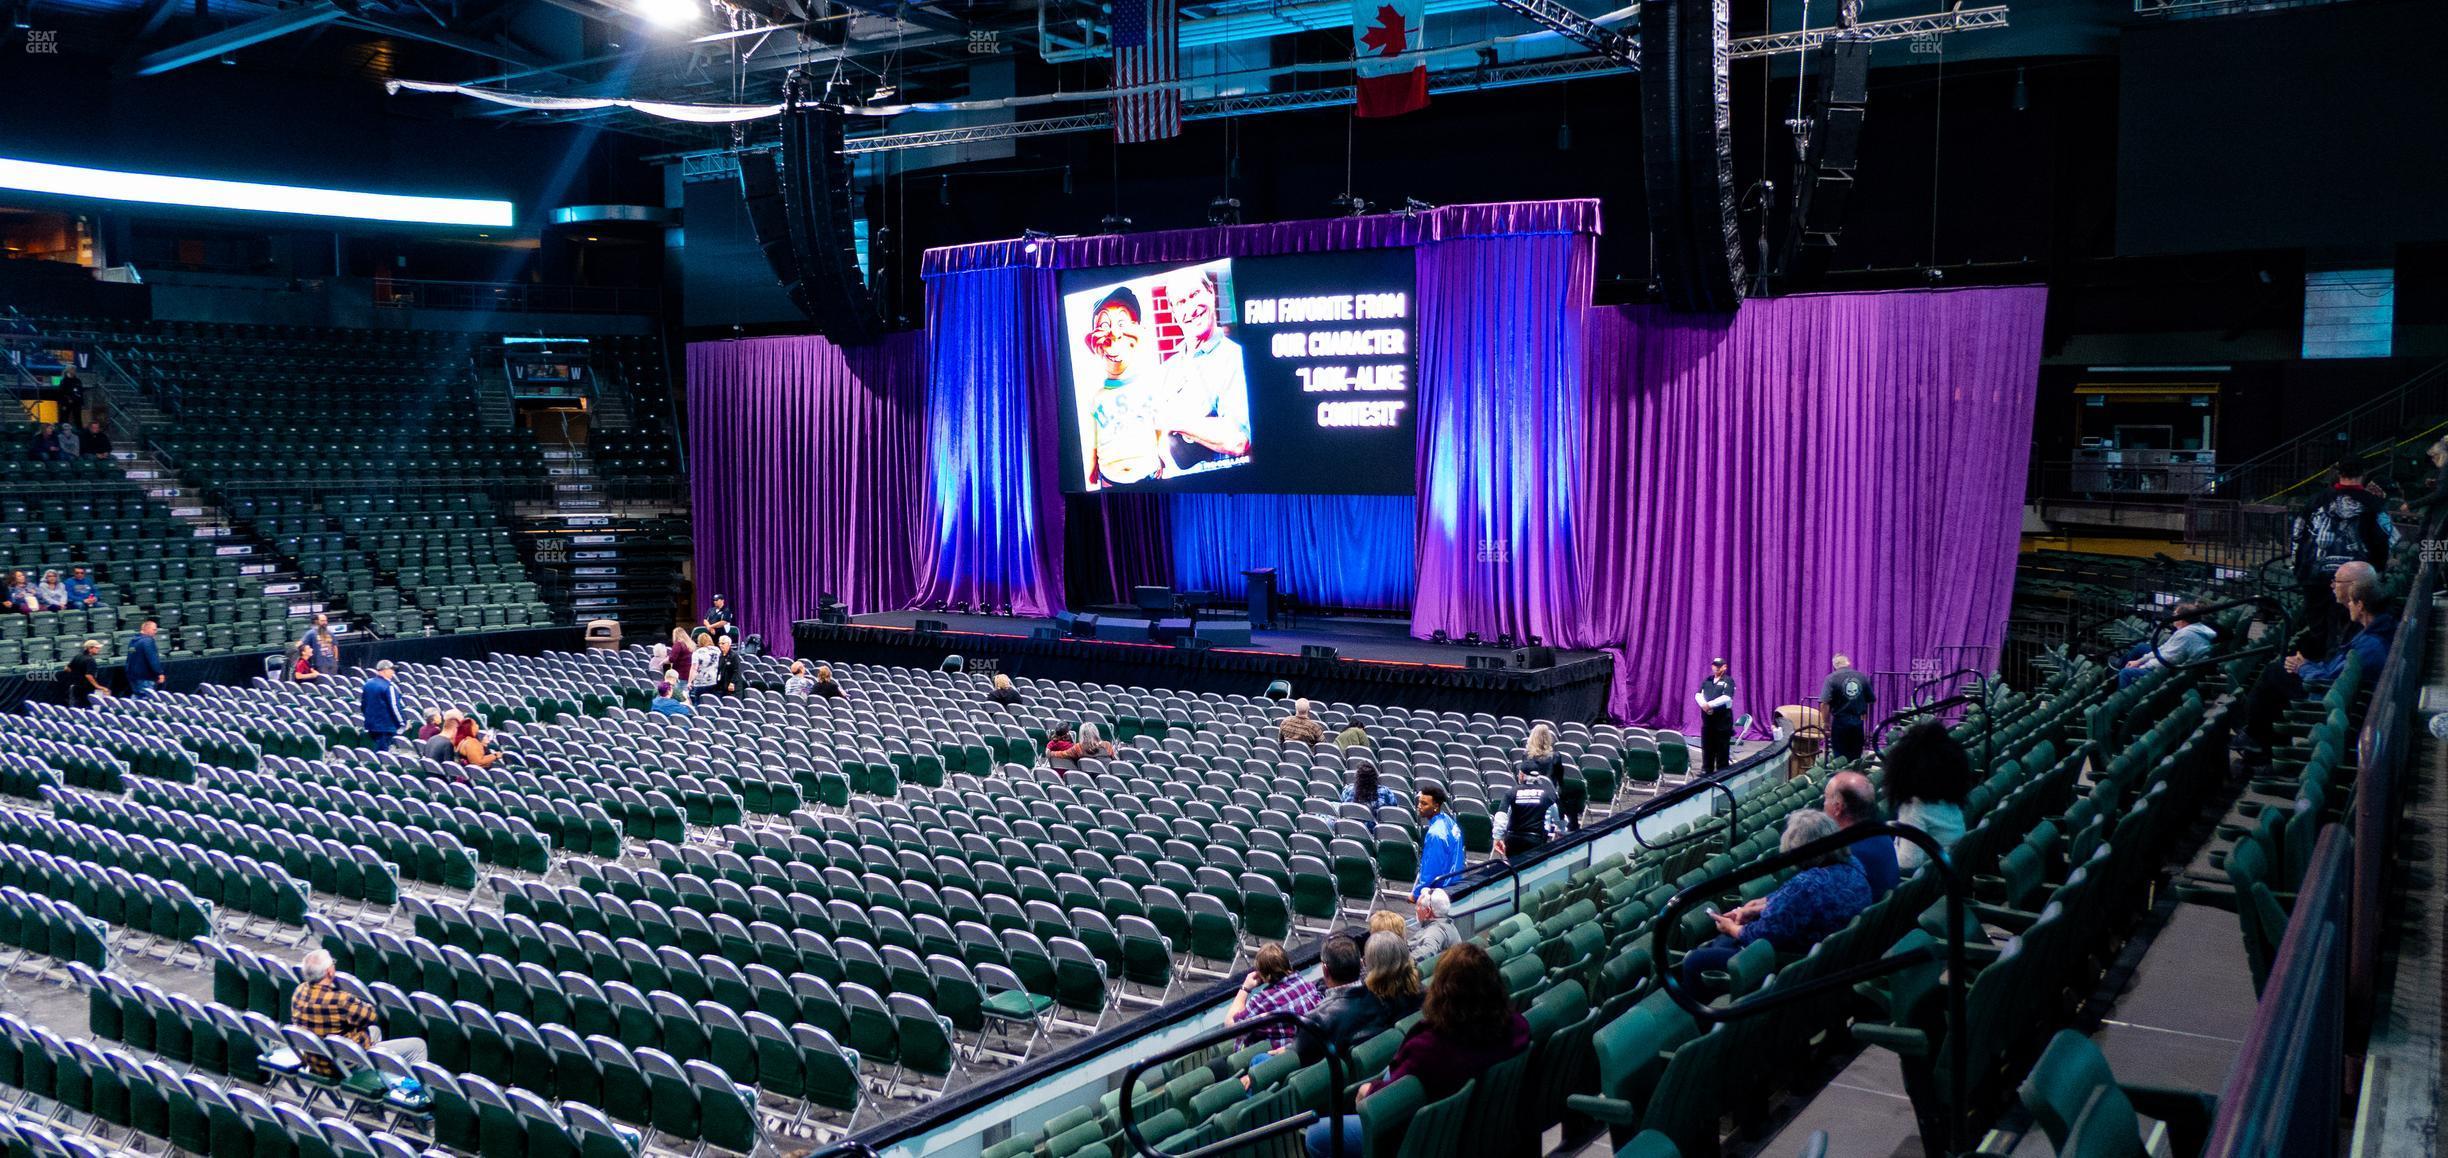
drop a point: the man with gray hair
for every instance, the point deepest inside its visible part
(1300, 725)
(321, 1007)
(1815, 902)
(1435, 932)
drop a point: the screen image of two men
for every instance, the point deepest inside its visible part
(1163, 393)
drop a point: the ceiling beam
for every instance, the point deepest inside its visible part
(473, 46)
(238, 36)
(917, 14)
(156, 16)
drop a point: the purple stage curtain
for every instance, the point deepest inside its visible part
(1819, 474)
(805, 467)
(993, 502)
(1501, 384)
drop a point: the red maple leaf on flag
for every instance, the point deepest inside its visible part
(1390, 35)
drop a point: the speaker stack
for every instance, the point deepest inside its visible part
(1687, 142)
(798, 201)
(1823, 172)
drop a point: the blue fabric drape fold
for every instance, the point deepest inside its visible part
(1355, 551)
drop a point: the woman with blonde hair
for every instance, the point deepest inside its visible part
(1539, 758)
(1388, 921)
(1004, 693)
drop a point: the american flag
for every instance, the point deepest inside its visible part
(1146, 61)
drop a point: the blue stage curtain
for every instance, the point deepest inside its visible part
(1355, 551)
(1501, 375)
(993, 510)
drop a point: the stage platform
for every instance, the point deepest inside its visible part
(1378, 662)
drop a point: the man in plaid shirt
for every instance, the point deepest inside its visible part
(1272, 987)
(322, 1008)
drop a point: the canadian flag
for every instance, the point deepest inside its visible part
(1393, 74)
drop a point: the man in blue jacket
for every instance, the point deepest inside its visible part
(1441, 857)
(380, 700)
(2375, 627)
(80, 590)
(144, 662)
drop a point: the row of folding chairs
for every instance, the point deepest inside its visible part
(423, 845)
(248, 868)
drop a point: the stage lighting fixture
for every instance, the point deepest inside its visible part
(938, 605)
(1030, 239)
(1224, 211)
(1533, 642)
(1005, 609)
(883, 92)
(1114, 223)
(960, 607)
(1440, 636)
(1470, 639)
(669, 13)
(1413, 207)
(1352, 205)
(1504, 639)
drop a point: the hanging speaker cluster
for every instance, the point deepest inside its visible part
(1687, 143)
(798, 201)
(1823, 169)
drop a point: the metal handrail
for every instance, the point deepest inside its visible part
(1336, 1077)
(1661, 803)
(1959, 979)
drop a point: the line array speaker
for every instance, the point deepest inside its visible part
(1823, 171)
(799, 203)
(1687, 120)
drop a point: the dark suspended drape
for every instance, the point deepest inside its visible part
(805, 466)
(1115, 542)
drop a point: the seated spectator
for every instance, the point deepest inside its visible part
(825, 688)
(1928, 777)
(1814, 903)
(1850, 800)
(670, 705)
(1300, 725)
(1435, 931)
(21, 594)
(1004, 693)
(1060, 745)
(320, 1007)
(1372, 989)
(1365, 789)
(51, 593)
(71, 444)
(671, 685)
(81, 591)
(800, 682)
(2375, 623)
(97, 441)
(46, 442)
(444, 743)
(433, 725)
(1467, 1026)
(1389, 921)
(1352, 737)
(471, 746)
(1272, 987)
(1092, 744)
(2189, 643)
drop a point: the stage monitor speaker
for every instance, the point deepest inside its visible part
(932, 625)
(1534, 658)
(1118, 627)
(1319, 651)
(1083, 625)
(1687, 116)
(1482, 662)
(1224, 633)
(1154, 600)
(1043, 632)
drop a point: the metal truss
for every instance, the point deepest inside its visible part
(1573, 26)
(717, 164)
(1904, 28)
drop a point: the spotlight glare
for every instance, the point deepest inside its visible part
(669, 13)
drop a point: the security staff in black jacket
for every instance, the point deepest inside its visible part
(1523, 822)
(1716, 699)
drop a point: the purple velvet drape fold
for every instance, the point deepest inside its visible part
(1501, 385)
(1819, 474)
(805, 460)
(993, 515)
